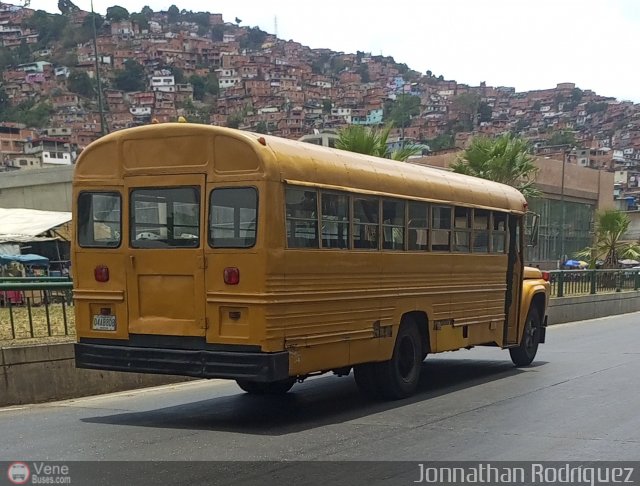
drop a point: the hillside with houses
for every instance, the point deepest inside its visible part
(161, 65)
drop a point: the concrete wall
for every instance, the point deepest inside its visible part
(33, 374)
(45, 189)
(569, 309)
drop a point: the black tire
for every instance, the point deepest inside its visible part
(398, 378)
(364, 375)
(270, 388)
(525, 353)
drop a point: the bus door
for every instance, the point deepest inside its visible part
(165, 263)
(514, 280)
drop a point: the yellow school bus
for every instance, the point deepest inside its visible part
(211, 252)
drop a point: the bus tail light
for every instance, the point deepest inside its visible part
(231, 276)
(101, 273)
(546, 276)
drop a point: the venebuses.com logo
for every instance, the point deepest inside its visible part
(18, 473)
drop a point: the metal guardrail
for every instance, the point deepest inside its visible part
(568, 283)
(34, 307)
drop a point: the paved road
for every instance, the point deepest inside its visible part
(580, 401)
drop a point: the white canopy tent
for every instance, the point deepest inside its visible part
(18, 225)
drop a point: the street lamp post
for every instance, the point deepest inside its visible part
(95, 55)
(562, 209)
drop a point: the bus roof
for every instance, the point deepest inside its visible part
(191, 147)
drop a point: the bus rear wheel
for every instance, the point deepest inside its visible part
(398, 378)
(270, 388)
(524, 354)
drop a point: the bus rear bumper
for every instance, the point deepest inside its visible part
(199, 363)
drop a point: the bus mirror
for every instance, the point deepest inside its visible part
(533, 225)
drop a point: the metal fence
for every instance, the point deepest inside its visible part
(33, 307)
(567, 283)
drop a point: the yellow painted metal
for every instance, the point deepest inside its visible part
(319, 304)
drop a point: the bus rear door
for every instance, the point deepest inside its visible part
(165, 268)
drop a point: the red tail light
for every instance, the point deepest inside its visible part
(546, 276)
(101, 273)
(231, 276)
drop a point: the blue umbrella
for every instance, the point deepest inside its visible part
(572, 263)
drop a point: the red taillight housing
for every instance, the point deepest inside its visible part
(101, 273)
(546, 276)
(231, 276)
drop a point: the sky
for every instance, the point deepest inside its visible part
(526, 44)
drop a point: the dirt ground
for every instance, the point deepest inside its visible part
(40, 331)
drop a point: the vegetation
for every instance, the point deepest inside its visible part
(611, 225)
(117, 13)
(131, 78)
(32, 114)
(564, 137)
(372, 141)
(80, 83)
(402, 110)
(505, 159)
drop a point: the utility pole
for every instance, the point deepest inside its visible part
(562, 209)
(103, 125)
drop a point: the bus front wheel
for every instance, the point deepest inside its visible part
(524, 354)
(272, 388)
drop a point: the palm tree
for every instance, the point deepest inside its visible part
(611, 225)
(372, 141)
(505, 159)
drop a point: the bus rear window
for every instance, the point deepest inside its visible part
(167, 217)
(99, 219)
(232, 217)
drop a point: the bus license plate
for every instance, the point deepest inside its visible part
(104, 323)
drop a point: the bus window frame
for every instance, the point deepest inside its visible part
(120, 222)
(198, 190)
(209, 214)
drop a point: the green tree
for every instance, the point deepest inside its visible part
(6, 58)
(50, 28)
(467, 104)
(4, 100)
(140, 19)
(22, 54)
(441, 142)
(611, 225)
(254, 39)
(505, 159)
(199, 87)
(117, 13)
(79, 82)
(405, 107)
(217, 32)
(67, 6)
(372, 141)
(147, 12)
(363, 71)
(131, 78)
(327, 105)
(212, 85)
(564, 137)
(485, 112)
(173, 14)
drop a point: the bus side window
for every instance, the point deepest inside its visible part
(335, 220)
(480, 231)
(499, 232)
(302, 217)
(441, 224)
(365, 222)
(418, 235)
